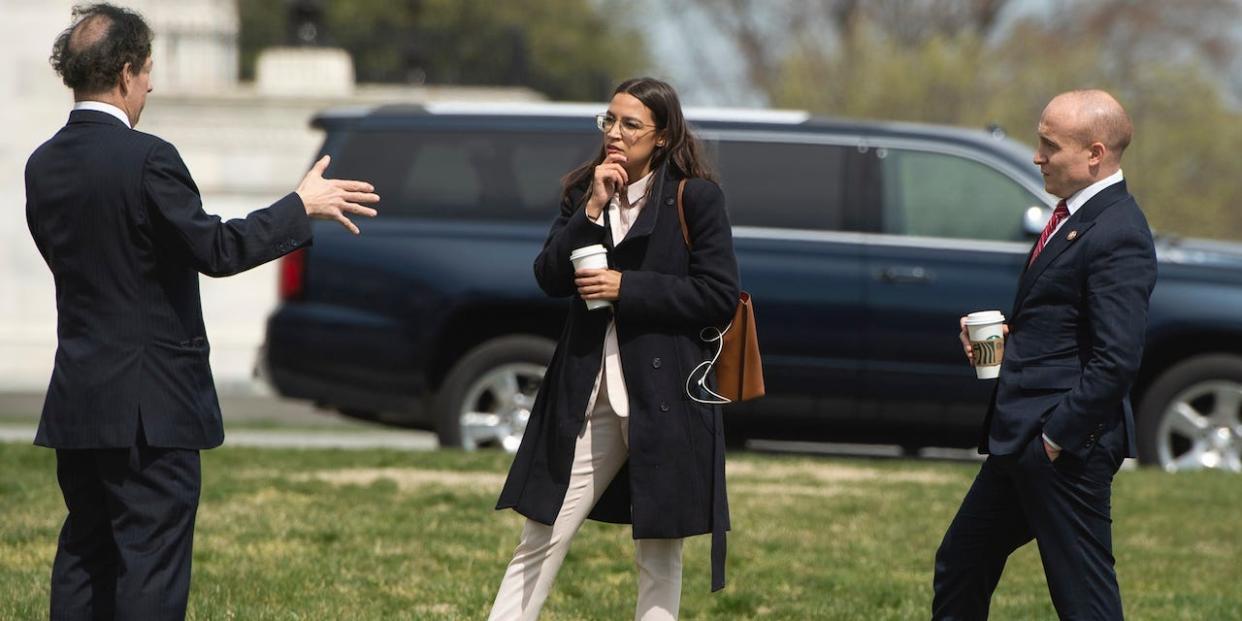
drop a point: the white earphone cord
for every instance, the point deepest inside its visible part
(707, 366)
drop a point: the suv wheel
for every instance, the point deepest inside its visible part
(1191, 418)
(487, 396)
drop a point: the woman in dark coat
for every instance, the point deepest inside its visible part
(614, 434)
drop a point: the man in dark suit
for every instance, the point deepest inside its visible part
(1060, 422)
(119, 221)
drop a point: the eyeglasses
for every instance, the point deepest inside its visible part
(629, 127)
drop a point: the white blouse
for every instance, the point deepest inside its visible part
(623, 211)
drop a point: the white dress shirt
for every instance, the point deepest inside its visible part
(1073, 204)
(1080, 198)
(623, 211)
(99, 106)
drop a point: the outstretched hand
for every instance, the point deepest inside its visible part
(332, 199)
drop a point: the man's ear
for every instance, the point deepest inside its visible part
(126, 78)
(1098, 151)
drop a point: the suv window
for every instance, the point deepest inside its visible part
(940, 195)
(475, 175)
(783, 185)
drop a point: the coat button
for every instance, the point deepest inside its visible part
(663, 407)
(668, 201)
(655, 363)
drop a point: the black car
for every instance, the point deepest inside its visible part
(861, 243)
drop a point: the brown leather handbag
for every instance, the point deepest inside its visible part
(739, 367)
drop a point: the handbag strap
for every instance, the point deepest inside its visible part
(681, 214)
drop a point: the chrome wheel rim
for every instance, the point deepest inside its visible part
(497, 406)
(1202, 428)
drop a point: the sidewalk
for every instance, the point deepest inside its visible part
(251, 421)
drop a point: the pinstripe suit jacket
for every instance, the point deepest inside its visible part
(120, 223)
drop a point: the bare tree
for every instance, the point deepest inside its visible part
(1134, 33)
(912, 23)
(763, 32)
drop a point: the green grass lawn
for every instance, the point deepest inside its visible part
(287, 534)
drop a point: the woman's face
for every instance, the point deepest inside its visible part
(630, 130)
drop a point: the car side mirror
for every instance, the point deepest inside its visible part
(1034, 219)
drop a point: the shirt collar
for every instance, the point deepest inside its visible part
(638, 189)
(1080, 198)
(99, 106)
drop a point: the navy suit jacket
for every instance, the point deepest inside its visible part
(120, 223)
(1076, 334)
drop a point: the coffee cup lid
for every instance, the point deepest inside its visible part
(984, 317)
(586, 251)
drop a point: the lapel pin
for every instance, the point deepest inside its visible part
(1072, 235)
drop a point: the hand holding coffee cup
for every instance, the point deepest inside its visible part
(964, 337)
(595, 285)
(594, 259)
(983, 337)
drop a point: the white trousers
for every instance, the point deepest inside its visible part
(601, 450)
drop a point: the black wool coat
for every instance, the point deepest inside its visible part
(673, 484)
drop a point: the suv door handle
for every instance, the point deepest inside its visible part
(906, 275)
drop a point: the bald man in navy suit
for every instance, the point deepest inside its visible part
(1060, 423)
(120, 223)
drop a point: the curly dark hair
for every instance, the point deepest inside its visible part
(90, 54)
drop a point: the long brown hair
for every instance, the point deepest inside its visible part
(683, 151)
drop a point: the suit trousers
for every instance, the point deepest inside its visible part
(600, 451)
(124, 551)
(1064, 505)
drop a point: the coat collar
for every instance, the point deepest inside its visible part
(663, 194)
(1075, 227)
(94, 116)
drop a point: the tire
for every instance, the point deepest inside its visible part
(486, 397)
(1191, 417)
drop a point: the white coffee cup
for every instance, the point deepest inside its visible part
(986, 330)
(591, 257)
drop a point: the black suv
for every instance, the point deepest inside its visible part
(861, 242)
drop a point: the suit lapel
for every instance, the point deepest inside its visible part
(1075, 227)
(651, 210)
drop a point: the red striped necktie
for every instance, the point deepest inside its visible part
(1058, 214)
